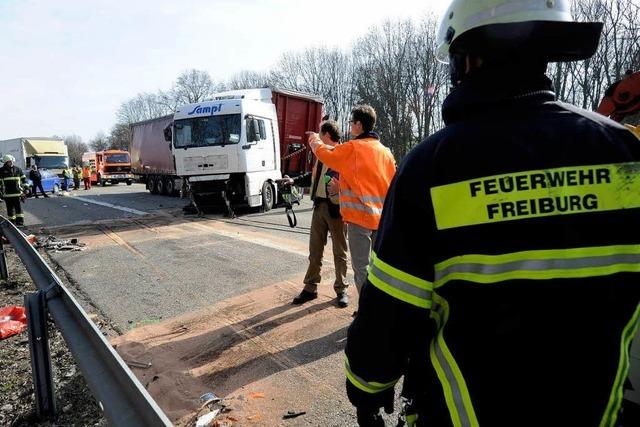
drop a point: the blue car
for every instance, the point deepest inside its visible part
(50, 183)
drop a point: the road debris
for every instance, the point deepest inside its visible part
(292, 414)
(207, 419)
(256, 395)
(137, 364)
(13, 321)
(51, 243)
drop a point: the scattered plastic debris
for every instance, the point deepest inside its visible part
(256, 395)
(51, 243)
(215, 405)
(209, 397)
(13, 321)
(292, 414)
(207, 419)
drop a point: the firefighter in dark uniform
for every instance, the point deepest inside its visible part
(11, 180)
(505, 278)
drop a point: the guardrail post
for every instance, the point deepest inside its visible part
(36, 311)
(4, 273)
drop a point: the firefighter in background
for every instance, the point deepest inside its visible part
(12, 179)
(504, 278)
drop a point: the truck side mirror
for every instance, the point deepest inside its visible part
(167, 133)
(253, 130)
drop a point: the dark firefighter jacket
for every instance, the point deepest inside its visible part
(11, 181)
(505, 280)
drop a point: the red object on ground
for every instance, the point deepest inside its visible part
(12, 321)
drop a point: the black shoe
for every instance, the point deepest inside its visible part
(46, 197)
(343, 299)
(305, 296)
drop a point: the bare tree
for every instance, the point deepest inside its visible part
(119, 137)
(76, 148)
(194, 86)
(250, 79)
(143, 106)
(99, 142)
(584, 82)
(382, 80)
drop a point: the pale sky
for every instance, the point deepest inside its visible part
(67, 65)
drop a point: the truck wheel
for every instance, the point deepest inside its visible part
(159, 185)
(267, 197)
(169, 186)
(153, 189)
(129, 182)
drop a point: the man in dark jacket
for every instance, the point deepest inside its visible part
(11, 181)
(36, 179)
(326, 218)
(504, 281)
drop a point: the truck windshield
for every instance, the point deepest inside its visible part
(117, 158)
(51, 162)
(206, 131)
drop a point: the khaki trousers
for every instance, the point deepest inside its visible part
(321, 225)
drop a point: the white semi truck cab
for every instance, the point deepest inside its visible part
(229, 148)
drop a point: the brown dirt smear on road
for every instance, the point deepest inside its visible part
(244, 348)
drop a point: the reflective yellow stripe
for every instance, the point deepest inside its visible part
(398, 284)
(540, 264)
(411, 419)
(13, 195)
(537, 193)
(12, 178)
(453, 384)
(366, 386)
(615, 399)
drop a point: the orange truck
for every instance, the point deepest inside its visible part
(112, 166)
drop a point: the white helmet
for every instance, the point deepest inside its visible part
(8, 158)
(532, 27)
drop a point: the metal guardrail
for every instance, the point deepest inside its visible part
(124, 400)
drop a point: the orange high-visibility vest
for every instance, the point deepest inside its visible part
(86, 172)
(366, 168)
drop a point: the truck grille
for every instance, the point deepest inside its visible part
(117, 168)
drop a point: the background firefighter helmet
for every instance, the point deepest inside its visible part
(8, 158)
(541, 30)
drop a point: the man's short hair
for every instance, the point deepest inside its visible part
(331, 127)
(366, 115)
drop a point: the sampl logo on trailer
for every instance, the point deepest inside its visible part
(208, 109)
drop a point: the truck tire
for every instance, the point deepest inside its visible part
(267, 196)
(129, 182)
(153, 188)
(160, 185)
(169, 186)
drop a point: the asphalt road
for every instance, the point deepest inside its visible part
(146, 260)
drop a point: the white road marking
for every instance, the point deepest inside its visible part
(109, 205)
